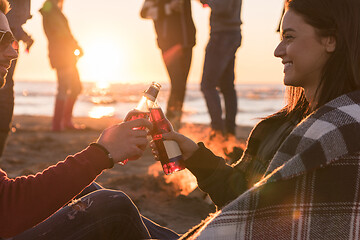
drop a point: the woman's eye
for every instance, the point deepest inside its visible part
(288, 37)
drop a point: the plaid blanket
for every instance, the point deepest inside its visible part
(312, 187)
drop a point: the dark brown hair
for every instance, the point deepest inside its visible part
(341, 73)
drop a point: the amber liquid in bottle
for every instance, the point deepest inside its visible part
(136, 115)
(169, 152)
(142, 109)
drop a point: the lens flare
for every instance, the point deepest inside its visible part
(77, 52)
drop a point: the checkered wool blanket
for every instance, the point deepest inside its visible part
(312, 190)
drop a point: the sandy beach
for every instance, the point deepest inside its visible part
(171, 201)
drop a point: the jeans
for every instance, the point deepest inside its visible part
(178, 66)
(218, 72)
(69, 83)
(6, 106)
(98, 214)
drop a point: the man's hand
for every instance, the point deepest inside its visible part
(29, 42)
(126, 140)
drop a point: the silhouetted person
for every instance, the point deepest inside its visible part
(17, 16)
(176, 37)
(218, 72)
(64, 52)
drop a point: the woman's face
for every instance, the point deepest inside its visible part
(303, 53)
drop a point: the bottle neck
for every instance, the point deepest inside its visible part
(145, 104)
(149, 98)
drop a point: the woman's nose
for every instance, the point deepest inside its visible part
(279, 50)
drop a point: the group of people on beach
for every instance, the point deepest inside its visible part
(175, 31)
(297, 179)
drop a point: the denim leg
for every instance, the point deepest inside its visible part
(89, 189)
(75, 83)
(228, 90)
(220, 52)
(103, 214)
(63, 83)
(6, 106)
(178, 70)
(68, 81)
(210, 80)
(158, 232)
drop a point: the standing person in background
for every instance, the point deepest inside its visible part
(64, 52)
(175, 31)
(18, 15)
(35, 206)
(299, 176)
(218, 71)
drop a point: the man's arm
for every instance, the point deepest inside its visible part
(28, 200)
(21, 35)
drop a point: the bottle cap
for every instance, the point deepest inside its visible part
(152, 92)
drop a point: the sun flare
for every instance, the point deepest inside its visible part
(103, 61)
(102, 85)
(102, 111)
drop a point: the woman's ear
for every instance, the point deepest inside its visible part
(330, 43)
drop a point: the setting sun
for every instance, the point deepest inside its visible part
(102, 111)
(103, 61)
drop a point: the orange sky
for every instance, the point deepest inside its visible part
(119, 46)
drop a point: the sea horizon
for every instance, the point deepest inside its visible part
(37, 98)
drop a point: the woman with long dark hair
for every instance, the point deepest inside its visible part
(299, 177)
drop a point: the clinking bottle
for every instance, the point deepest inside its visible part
(142, 110)
(169, 152)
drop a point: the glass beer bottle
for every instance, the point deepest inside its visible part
(169, 152)
(142, 110)
(145, 103)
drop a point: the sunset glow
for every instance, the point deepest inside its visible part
(121, 47)
(77, 52)
(102, 62)
(101, 111)
(102, 85)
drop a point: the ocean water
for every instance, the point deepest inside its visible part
(37, 98)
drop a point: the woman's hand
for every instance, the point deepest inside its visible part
(187, 146)
(126, 140)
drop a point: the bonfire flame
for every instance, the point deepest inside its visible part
(218, 144)
(184, 180)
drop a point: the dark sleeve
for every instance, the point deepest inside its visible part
(20, 34)
(220, 7)
(222, 182)
(28, 200)
(56, 27)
